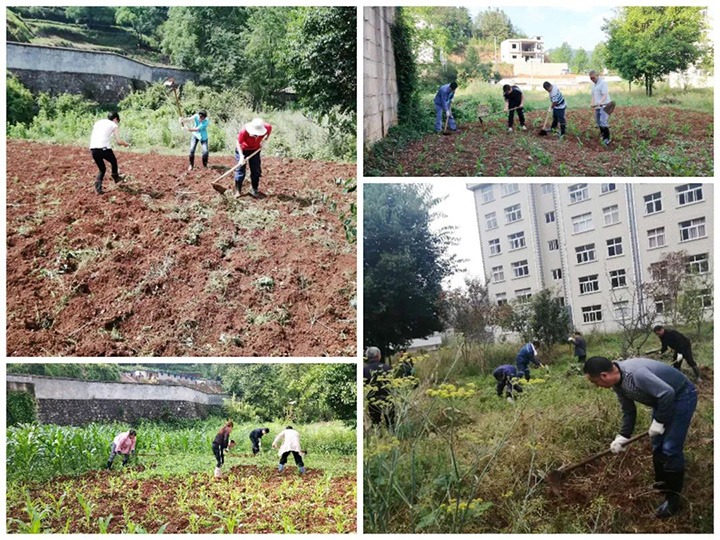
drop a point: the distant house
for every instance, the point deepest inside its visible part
(515, 51)
(167, 375)
(430, 343)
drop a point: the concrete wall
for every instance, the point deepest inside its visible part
(380, 89)
(536, 69)
(74, 402)
(106, 77)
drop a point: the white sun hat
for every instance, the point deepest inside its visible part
(256, 128)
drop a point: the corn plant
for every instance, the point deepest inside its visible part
(104, 523)
(86, 506)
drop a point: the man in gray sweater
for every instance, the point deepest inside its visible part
(672, 398)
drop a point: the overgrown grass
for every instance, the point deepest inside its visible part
(149, 121)
(459, 459)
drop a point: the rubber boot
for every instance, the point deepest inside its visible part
(205, 160)
(109, 465)
(696, 371)
(281, 467)
(192, 163)
(674, 484)
(98, 187)
(238, 188)
(302, 470)
(562, 130)
(659, 466)
(118, 177)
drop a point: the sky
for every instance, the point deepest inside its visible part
(459, 209)
(580, 24)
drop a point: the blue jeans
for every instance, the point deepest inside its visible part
(439, 109)
(255, 170)
(205, 151)
(670, 444)
(601, 117)
(558, 117)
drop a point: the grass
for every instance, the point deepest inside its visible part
(460, 460)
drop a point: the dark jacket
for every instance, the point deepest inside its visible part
(651, 383)
(502, 372)
(676, 341)
(514, 98)
(373, 375)
(525, 356)
(256, 434)
(580, 346)
(222, 439)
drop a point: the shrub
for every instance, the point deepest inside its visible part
(21, 408)
(20, 102)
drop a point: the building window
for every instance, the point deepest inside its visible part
(689, 193)
(560, 300)
(487, 194)
(553, 245)
(520, 269)
(582, 223)
(549, 217)
(656, 237)
(618, 279)
(607, 188)
(705, 297)
(497, 274)
(578, 192)
(653, 203)
(589, 284)
(509, 189)
(614, 246)
(697, 264)
(592, 314)
(690, 230)
(621, 310)
(495, 247)
(501, 298)
(611, 214)
(513, 214)
(585, 253)
(557, 274)
(516, 240)
(546, 189)
(491, 221)
(659, 307)
(523, 296)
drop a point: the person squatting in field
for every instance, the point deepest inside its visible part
(255, 436)
(198, 134)
(681, 346)
(525, 356)
(557, 106)
(600, 98)
(222, 442)
(103, 130)
(514, 99)
(251, 139)
(443, 101)
(376, 375)
(290, 445)
(124, 444)
(580, 347)
(504, 376)
(672, 398)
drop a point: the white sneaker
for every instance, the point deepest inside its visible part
(523, 128)
(510, 400)
(509, 130)
(606, 142)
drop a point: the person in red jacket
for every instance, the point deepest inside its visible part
(250, 139)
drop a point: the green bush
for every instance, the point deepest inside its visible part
(21, 408)
(20, 102)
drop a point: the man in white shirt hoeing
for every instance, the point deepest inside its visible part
(102, 132)
(290, 445)
(600, 98)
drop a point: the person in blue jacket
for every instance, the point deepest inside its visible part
(672, 398)
(443, 100)
(504, 376)
(527, 355)
(198, 130)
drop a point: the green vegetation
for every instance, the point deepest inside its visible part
(458, 459)
(87, 372)
(21, 408)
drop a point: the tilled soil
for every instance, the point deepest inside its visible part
(163, 265)
(661, 141)
(248, 498)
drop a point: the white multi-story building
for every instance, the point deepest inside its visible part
(516, 50)
(592, 244)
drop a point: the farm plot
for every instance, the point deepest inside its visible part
(163, 265)
(646, 141)
(168, 490)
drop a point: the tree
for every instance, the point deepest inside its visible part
(668, 276)
(633, 316)
(563, 54)
(695, 302)
(404, 264)
(580, 61)
(597, 59)
(542, 318)
(321, 58)
(144, 21)
(470, 311)
(647, 43)
(92, 17)
(20, 101)
(258, 385)
(446, 30)
(493, 24)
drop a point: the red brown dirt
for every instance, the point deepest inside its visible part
(162, 265)
(657, 141)
(260, 498)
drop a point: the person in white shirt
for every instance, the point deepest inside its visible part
(290, 445)
(102, 132)
(600, 98)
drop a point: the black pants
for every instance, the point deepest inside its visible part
(219, 454)
(100, 156)
(687, 355)
(255, 445)
(511, 116)
(255, 170)
(559, 118)
(582, 358)
(296, 455)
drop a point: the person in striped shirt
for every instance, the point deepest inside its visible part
(557, 106)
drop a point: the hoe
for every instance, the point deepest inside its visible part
(169, 84)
